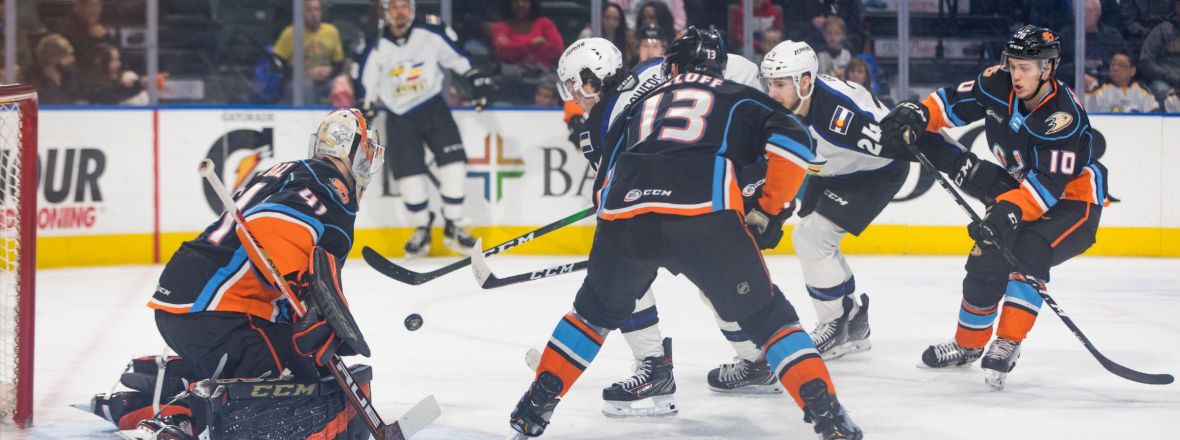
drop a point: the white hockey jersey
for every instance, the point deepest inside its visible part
(402, 73)
(650, 74)
(843, 121)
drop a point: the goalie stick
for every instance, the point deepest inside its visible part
(418, 417)
(400, 273)
(489, 280)
(1109, 365)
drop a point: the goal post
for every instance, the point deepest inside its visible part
(18, 235)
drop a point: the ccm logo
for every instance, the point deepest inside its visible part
(635, 194)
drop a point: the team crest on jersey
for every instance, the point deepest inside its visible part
(584, 142)
(1058, 121)
(841, 119)
(991, 70)
(340, 189)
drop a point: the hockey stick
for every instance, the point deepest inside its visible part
(418, 417)
(489, 280)
(1111, 366)
(392, 270)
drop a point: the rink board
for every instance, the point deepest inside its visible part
(119, 185)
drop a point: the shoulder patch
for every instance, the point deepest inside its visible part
(340, 188)
(991, 70)
(1058, 121)
(841, 119)
(433, 19)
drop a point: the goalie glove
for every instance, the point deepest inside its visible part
(981, 179)
(328, 327)
(767, 229)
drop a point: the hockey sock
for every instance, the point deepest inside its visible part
(742, 345)
(829, 301)
(642, 329)
(571, 349)
(413, 189)
(451, 177)
(975, 325)
(795, 361)
(1022, 303)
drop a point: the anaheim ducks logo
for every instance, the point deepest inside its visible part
(1058, 121)
(991, 70)
(341, 189)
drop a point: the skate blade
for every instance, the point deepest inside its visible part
(754, 390)
(847, 349)
(658, 406)
(457, 247)
(517, 436)
(994, 379)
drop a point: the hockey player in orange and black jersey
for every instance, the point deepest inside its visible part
(1046, 209)
(214, 307)
(671, 200)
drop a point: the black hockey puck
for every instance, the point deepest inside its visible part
(413, 322)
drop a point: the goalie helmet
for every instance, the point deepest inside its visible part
(791, 59)
(597, 55)
(344, 134)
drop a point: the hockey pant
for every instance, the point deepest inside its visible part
(1065, 231)
(432, 126)
(718, 255)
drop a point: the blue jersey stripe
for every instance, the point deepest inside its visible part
(219, 277)
(1041, 190)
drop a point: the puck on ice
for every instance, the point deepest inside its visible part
(413, 322)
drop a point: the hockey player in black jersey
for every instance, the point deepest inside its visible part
(225, 319)
(1046, 208)
(670, 199)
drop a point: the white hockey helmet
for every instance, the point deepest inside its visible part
(344, 134)
(598, 55)
(791, 59)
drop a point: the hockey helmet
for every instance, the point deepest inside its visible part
(791, 59)
(344, 134)
(598, 56)
(1034, 43)
(700, 51)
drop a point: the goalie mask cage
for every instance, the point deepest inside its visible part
(18, 233)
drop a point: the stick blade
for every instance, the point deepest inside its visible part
(389, 268)
(414, 420)
(479, 266)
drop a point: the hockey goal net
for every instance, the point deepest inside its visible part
(18, 229)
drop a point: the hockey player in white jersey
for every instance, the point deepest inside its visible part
(403, 74)
(857, 182)
(649, 390)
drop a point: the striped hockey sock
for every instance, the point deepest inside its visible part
(795, 361)
(1022, 303)
(975, 325)
(571, 349)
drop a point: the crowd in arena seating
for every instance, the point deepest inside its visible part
(74, 50)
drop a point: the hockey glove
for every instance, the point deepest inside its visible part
(314, 338)
(903, 124)
(998, 227)
(369, 111)
(575, 126)
(767, 229)
(981, 179)
(482, 86)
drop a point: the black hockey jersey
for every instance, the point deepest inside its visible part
(290, 209)
(1046, 149)
(680, 144)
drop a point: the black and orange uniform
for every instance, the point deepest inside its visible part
(671, 199)
(215, 307)
(1046, 147)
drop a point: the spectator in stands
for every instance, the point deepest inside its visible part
(546, 95)
(323, 55)
(83, 29)
(1122, 94)
(1172, 102)
(1159, 58)
(858, 72)
(651, 43)
(834, 57)
(55, 77)
(105, 82)
(635, 14)
(770, 39)
(767, 16)
(525, 38)
(655, 13)
(614, 28)
(1102, 42)
(804, 20)
(1141, 16)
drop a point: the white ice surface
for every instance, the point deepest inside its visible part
(470, 354)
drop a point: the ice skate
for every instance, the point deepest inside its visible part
(999, 361)
(647, 393)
